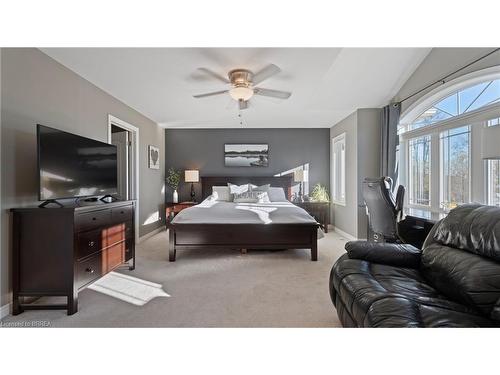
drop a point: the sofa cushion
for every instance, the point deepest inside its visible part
(373, 294)
(473, 228)
(462, 257)
(470, 279)
(392, 254)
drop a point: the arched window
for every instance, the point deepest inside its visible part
(467, 100)
(440, 144)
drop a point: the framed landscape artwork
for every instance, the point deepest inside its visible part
(246, 155)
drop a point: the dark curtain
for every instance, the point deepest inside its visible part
(390, 141)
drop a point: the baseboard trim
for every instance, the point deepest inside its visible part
(344, 234)
(5, 310)
(151, 234)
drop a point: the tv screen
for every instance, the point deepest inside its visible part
(71, 166)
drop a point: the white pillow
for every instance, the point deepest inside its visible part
(238, 189)
(221, 193)
(264, 198)
(263, 192)
(277, 194)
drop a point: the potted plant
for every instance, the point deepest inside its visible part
(320, 194)
(173, 179)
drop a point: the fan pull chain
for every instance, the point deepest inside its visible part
(240, 118)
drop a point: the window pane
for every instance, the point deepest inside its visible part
(420, 170)
(488, 96)
(466, 100)
(455, 167)
(469, 95)
(429, 117)
(338, 166)
(494, 182)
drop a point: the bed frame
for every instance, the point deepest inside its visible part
(243, 236)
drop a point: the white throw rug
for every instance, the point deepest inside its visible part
(128, 288)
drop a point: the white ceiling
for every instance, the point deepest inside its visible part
(327, 84)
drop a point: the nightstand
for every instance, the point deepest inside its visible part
(319, 210)
(172, 209)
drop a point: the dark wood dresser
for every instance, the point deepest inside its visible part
(319, 210)
(58, 251)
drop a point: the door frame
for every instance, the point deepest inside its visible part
(112, 120)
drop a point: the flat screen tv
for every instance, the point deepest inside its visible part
(71, 166)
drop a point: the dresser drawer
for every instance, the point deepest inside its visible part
(92, 220)
(122, 214)
(88, 243)
(113, 256)
(88, 270)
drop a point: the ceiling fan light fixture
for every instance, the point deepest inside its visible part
(241, 93)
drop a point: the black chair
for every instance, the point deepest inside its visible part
(383, 209)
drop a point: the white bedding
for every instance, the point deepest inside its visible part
(218, 212)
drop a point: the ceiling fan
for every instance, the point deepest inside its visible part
(243, 84)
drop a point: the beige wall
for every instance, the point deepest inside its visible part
(362, 130)
(37, 89)
(345, 217)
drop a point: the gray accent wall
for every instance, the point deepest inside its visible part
(37, 89)
(362, 129)
(203, 149)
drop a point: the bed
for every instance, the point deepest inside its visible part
(216, 225)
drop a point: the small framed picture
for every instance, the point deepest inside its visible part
(154, 157)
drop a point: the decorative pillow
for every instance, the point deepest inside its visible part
(277, 194)
(264, 197)
(251, 197)
(221, 193)
(238, 189)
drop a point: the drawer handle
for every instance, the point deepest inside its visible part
(94, 218)
(122, 212)
(89, 270)
(91, 243)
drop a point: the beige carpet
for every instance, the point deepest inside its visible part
(215, 289)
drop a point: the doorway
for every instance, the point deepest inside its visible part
(121, 139)
(126, 139)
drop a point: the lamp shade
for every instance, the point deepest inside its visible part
(300, 175)
(490, 148)
(191, 175)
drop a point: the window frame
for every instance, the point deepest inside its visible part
(488, 169)
(476, 120)
(441, 162)
(408, 168)
(341, 138)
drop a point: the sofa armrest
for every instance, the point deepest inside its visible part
(392, 254)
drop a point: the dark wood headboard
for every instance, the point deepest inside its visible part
(282, 181)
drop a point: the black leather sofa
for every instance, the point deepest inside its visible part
(454, 281)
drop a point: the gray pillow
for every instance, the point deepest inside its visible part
(221, 193)
(277, 194)
(264, 189)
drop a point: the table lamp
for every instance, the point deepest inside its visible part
(300, 176)
(192, 176)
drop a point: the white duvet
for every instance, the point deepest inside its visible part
(220, 212)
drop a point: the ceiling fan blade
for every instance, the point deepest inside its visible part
(272, 93)
(214, 75)
(265, 73)
(243, 104)
(210, 94)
